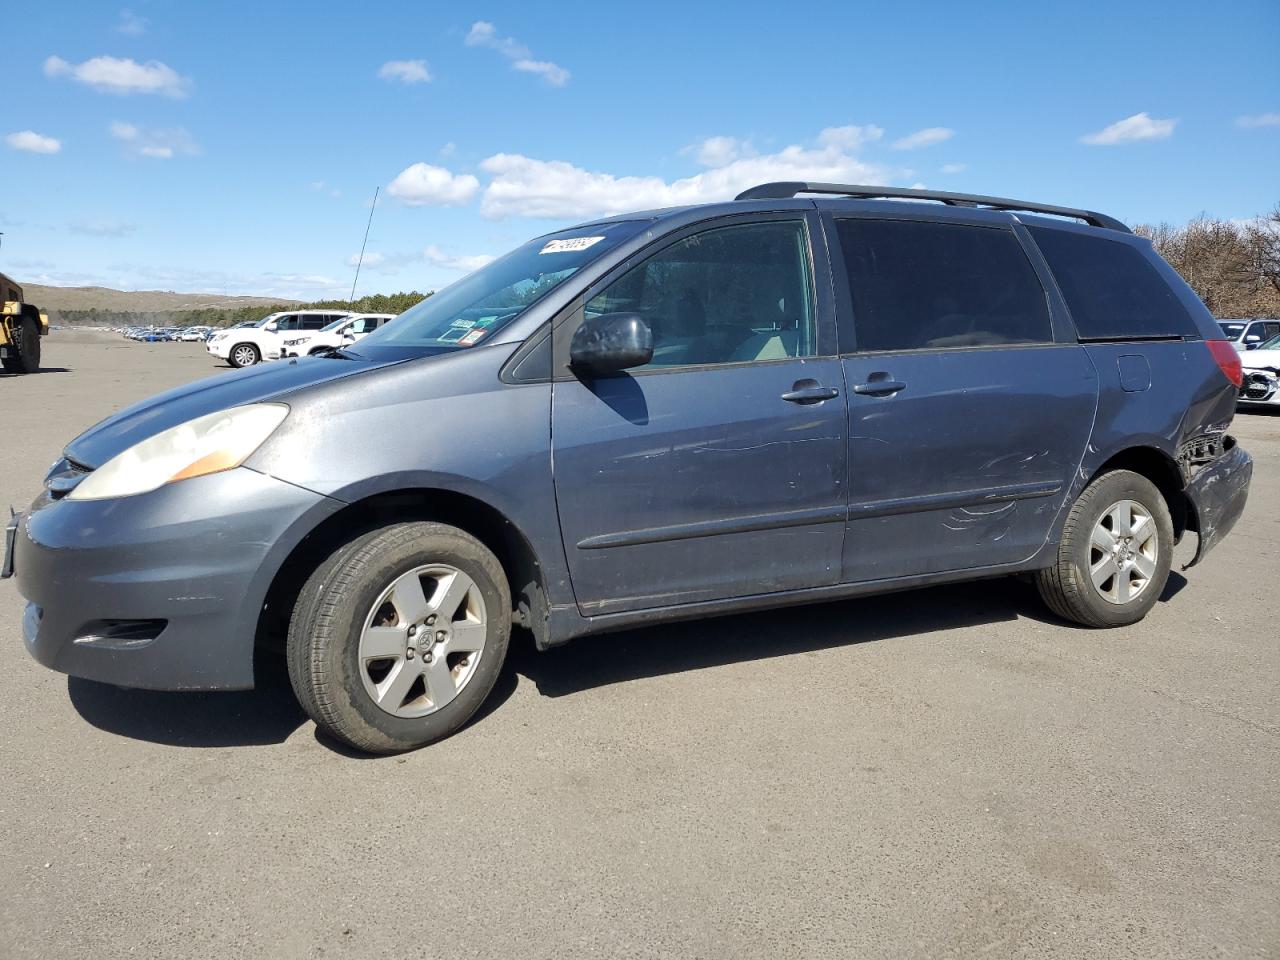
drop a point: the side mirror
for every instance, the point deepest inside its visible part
(272, 327)
(611, 342)
(349, 337)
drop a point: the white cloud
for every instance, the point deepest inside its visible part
(463, 264)
(156, 144)
(102, 228)
(718, 151)
(449, 149)
(406, 71)
(923, 138)
(485, 34)
(371, 259)
(31, 142)
(954, 167)
(1141, 126)
(1259, 120)
(526, 187)
(121, 76)
(553, 73)
(850, 137)
(130, 24)
(422, 184)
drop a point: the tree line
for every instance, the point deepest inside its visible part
(218, 317)
(1233, 266)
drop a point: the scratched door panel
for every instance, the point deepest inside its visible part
(699, 484)
(968, 464)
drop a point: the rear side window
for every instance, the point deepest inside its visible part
(1111, 289)
(312, 321)
(926, 286)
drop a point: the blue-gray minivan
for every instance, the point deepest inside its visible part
(812, 392)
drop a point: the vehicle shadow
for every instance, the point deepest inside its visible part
(6, 376)
(674, 648)
(267, 714)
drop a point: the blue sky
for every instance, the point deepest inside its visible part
(234, 147)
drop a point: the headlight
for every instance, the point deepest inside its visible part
(209, 444)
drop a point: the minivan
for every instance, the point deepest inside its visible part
(812, 392)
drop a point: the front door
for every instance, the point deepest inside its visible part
(968, 418)
(717, 470)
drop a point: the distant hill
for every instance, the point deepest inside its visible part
(138, 301)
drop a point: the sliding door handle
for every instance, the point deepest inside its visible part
(879, 388)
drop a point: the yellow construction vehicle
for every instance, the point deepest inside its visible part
(21, 327)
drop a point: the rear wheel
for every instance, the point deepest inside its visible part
(25, 348)
(1115, 553)
(244, 355)
(396, 640)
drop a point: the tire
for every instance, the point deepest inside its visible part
(1084, 585)
(26, 346)
(244, 355)
(333, 669)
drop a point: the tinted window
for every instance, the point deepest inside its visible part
(1232, 330)
(314, 321)
(1263, 331)
(287, 323)
(918, 285)
(1111, 289)
(727, 295)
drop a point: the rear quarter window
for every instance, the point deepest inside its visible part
(1111, 289)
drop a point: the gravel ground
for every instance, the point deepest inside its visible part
(943, 773)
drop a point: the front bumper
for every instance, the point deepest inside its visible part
(1217, 494)
(219, 349)
(1260, 388)
(161, 590)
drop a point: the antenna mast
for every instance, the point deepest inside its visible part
(360, 262)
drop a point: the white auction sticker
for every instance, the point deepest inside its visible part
(570, 245)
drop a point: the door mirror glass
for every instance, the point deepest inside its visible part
(611, 342)
(272, 327)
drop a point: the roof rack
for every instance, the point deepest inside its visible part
(786, 189)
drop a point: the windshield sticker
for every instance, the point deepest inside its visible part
(570, 245)
(463, 324)
(452, 335)
(475, 336)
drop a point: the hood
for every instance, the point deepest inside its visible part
(1260, 358)
(268, 381)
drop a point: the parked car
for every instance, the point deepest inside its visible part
(245, 346)
(806, 394)
(337, 334)
(195, 334)
(1261, 386)
(1249, 334)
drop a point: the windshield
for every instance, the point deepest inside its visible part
(1232, 330)
(464, 313)
(1272, 344)
(335, 325)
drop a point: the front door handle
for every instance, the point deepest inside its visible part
(879, 388)
(809, 391)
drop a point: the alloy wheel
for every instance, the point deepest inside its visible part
(422, 640)
(1123, 552)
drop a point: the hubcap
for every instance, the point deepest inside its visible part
(1123, 552)
(244, 356)
(422, 640)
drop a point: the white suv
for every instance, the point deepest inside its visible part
(245, 346)
(337, 334)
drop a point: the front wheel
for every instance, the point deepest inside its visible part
(25, 350)
(396, 640)
(1115, 553)
(243, 355)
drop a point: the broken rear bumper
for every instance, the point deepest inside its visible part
(1217, 494)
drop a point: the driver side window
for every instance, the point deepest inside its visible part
(728, 295)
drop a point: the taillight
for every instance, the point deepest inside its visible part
(1228, 360)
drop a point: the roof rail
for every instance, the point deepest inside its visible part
(786, 189)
